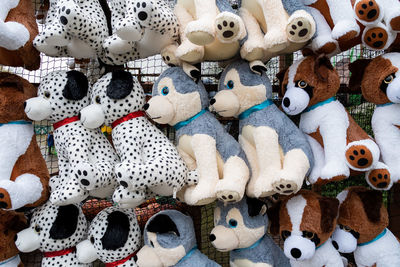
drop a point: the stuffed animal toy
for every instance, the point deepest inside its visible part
(170, 240)
(17, 29)
(85, 157)
(309, 88)
(11, 223)
(306, 222)
(241, 229)
(203, 142)
(361, 229)
(24, 176)
(379, 83)
(209, 30)
(149, 161)
(114, 237)
(265, 132)
(55, 231)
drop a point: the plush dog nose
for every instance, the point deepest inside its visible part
(335, 245)
(146, 106)
(296, 253)
(212, 237)
(24, 104)
(212, 101)
(286, 102)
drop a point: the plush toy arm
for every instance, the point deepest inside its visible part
(253, 47)
(94, 176)
(323, 42)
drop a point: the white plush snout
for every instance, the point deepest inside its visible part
(393, 90)
(85, 252)
(38, 108)
(224, 239)
(27, 240)
(226, 103)
(346, 242)
(92, 116)
(299, 248)
(295, 101)
(146, 257)
(160, 110)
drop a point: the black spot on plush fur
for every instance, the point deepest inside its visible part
(117, 231)
(120, 86)
(329, 210)
(65, 223)
(77, 85)
(162, 224)
(254, 206)
(372, 202)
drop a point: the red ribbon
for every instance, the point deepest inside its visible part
(64, 122)
(128, 117)
(116, 263)
(58, 253)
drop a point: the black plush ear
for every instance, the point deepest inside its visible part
(258, 67)
(273, 216)
(121, 84)
(320, 62)
(357, 70)
(329, 210)
(162, 224)
(117, 231)
(65, 223)
(255, 207)
(77, 86)
(372, 203)
(193, 71)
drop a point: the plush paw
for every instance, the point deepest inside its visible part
(275, 40)
(375, 38)
(367, 11)
(128, 199)
(300, 30)
(14, 35)
(200, 32)
(229, 27)
(324, 44)
(192, 177)
(5, 200)
(190, 52)
(143, 12)
(395, 23)
(117, 46)
(68, 13)
(284, 187)
(197, 196)
(359, 157)
(228, 196)
(252, 51)
(129, 30)
(334, 171)
(379, 179)
(85, 174)
(169, 57)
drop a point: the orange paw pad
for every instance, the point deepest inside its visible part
(376, 38)
(359, 156)
(379, 178)
(367, 10)
(5, 200)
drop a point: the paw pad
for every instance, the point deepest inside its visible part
(5, 200)
(226, 196)
(379, 178)
(142, 10)
(359, 157)
(376, 38)
(367, 10)
(285, 188)
(299, 30)
(228, 28)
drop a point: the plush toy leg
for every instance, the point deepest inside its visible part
(368, 12)
(50, 50)
(346, 27)
(70, 193)
(323, 43)
(233, 184)
(319, 159)
(169, 57)
(379, 177)
(253, 47)
(104, 192)
(26, 189)
(392, 15)
(362, 155)
(378, 37)
(201, 31)
(117, 45)
(128, 199)
(300, 27)
(80, 49)
(129, 30)
(13, 35)
(91, 176)
(229, 27)
(56, 36)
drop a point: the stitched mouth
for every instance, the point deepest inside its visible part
(27, 111)
(155, 118)
(220, 111)
(291, 110)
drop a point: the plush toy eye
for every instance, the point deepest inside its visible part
(232, 223)
(92, 239)
(97, 100)
(285, 234)
(302, 84)
(38, 228)
(165, 91)
(389, 78)
(308, 235)
(46, 94)
(230, 84)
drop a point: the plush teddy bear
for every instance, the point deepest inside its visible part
(85, 157)
(55, 231)
(204, 144)
(278, 152)
(361, 229)
(11, 223)
(170, 240)
(114, 237)
(24, 175)
(149, 161)
(306, 222)
(241, 229)
(17, 29)
(380, 83)
(309, 87)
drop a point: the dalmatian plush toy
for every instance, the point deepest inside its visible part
(204, 144)
(114, 237)
(85, 157)
(54, 230)
(265, 132)
(149, 161)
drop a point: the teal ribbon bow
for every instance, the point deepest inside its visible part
(252, 246)
(188, 254)
(186, 122)
(253, 109)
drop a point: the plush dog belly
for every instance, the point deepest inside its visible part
(255, 9)
(248, 263)
(148, 47)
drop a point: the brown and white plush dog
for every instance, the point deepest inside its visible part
(361, 229)
(338, 142)
(306, 221)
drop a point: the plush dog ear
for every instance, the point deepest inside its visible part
(255, 207)
(329, 210)
(372, 203)
(322, 63)
(281, 76)
(117, 231)
(273, 216)
(357, 70)
(77, 86)
(16, 222)
(19, 83)
(65, 223)
(121, 84)
(258, 67)
(162, 224)
(192, 71)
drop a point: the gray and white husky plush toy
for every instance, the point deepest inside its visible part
(278, 152)
(241, 228)
(170, 240)
(202, 141)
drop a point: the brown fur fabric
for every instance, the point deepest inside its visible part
(11, 223)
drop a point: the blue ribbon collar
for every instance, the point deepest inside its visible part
(384, 105)
(375, 239)
(252, 246)
(8, 260)
(255, 108)
(329, 100)
(190, 253)
(186, 122)
(16, 122)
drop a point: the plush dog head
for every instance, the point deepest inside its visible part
(241, 86)
(362, 216)
(11, 223)
(307, 82)
(176, 97)
(239, 225)
(114, 234)
(113, 96)
(61, 95)
(53, 228)
(306, 221)
(379, 78)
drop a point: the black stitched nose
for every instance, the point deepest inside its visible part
(24, 104)
(212, 101)
(335, 245)
(296, 253)
(142, 15)
(212, 237)
(286, 102)
(146, 106)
